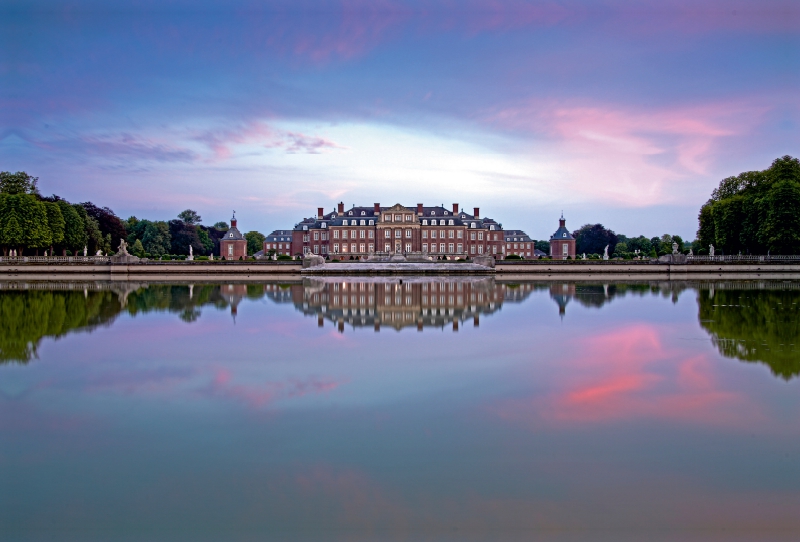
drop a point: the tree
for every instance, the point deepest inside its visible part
(56, 223)
(593, 238)
(255, 242)
(780, 230)
(183, 236)
(190, 217)
(10, 228)
(205, 240)
(137, 249)
(108, 223)
(94, 237)
(74, 227)
(18, 183)
(706, 233)
(222, 226)
(544, 246)
(156, 238)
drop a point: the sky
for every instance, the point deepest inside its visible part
(626, 113)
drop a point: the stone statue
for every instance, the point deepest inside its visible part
(605, 253)
(711, 250)
(99, 253)
(45, 254)
(691, 252)
(674, 248)
(85, 250)
(123, 248)
(191, 254)
(211, 257)
(584, 255)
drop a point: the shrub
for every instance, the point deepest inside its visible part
(240, 258)
(166, 257)
(569, 257)
(283, 258)
(202, 258)
(513, 257)
(69, 253)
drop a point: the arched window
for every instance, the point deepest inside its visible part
(362, 214)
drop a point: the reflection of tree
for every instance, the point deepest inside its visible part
(754, 325)
(29, 315)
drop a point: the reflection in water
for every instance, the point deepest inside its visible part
(755, 322)
(749, 321)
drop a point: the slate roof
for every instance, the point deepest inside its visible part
(279, 236)
(233, 234)
(517, 235)
(559, 234)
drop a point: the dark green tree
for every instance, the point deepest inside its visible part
(18, 183)
(222, 226)
(780, 230)
(255, 242)
(56, 223)
(190, 217)
(74, 227)
(593, 238)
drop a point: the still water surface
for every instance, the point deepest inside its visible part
(430, 409)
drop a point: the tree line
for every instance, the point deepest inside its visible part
(755, 212)
(31, 223)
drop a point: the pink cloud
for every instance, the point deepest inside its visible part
(629, 155)
(262, 394)
(222, 141)
(628, 374)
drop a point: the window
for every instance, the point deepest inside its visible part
(408, 234)
(324, 235)
(350, 213)
(408, 247)
(335, 248)
(305, 250)
(387, 233)
(230, 249)
(398, 233)
(387, 247)
(362, 214)
(460, 248)
(424, 234)
(362, 234)
(362, 222)
(424, 247)
(480, 249)
(316, 236)
(372, 247)
(491, 227)
(324, 249)
(344, 222)
(344, 247)
(305, 228)
(450, 248)
(433, 213)
(305, 238)
(441, 247)
(335, 234)
(371, 222)
(353, 247)
(450, 234)
(372, 234)
(460, 234)
(408, 218)
(450, 222)
(444, 213)
(398, 218)
(316, 249)
(433, 222)
(344, 234)
(388, 218)
(473, 225)
(480, 236)
(353, 234)
(564, 249)
(362, 247)
(494, 250)
(472, 249)
(472, 235)
(424, 222)
(563, 235)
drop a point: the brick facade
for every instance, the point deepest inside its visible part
(562, 243)
(233, 245)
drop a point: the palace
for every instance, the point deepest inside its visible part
(360, 231)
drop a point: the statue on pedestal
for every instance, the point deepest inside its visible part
(674, 248)
(85, 250)
(123, 248)
(605, 253)
(191, 254)
(711, 250)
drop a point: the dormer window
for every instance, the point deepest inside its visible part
(350, 213)
(363, 222)
(371, 222)
(229, 235)
(491, 227)
(433, 222)
(433, 213)
(462, 216)
(473, 225)
(305, 228)
(363, 213)
(324, 225)
(563, 235)
(450, 222)
(344, 222)
(445, 212)
(424, 222)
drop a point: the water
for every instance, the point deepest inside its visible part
(375, 410)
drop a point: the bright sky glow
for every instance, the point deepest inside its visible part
(625, 113)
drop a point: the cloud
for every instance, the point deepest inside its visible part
(260, 395)
(628, 374)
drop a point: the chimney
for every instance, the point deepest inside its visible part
(341, 208)
(455, 208)
(320, 213)
(477, 212)
(377, 209)
(419, 209)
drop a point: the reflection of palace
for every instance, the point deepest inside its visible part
(398, 303)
